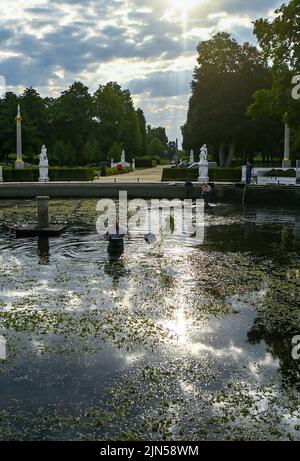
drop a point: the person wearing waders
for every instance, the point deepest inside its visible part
(249, 168)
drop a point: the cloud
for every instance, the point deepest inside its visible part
(147, 45)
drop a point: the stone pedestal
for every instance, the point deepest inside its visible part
(43, 173)
(19, 164)
(286, 164)
(203, 172)
(42, 211)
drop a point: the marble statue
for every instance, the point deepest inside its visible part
(123, 159)
(43, 165)
(203, 165)
(203, 154)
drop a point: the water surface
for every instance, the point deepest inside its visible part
(176, 341)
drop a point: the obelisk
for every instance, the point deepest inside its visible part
(286, 159)
(19, 162)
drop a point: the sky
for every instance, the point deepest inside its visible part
(147, 46)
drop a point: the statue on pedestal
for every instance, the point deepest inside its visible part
(43, 165)
(203, 165)
(203, 154)
(123, 157)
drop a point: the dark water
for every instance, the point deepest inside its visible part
(170, 341)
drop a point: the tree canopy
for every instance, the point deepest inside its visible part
(77, 127)
(279, 41)
(227, 75)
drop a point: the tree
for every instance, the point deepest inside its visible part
(8, 112)
(279, 41)
(118, 121)
(155, 148)
(91, 151)
(115, 151)
(76, 127)
(73, 121)
(224, 81)
(142, 128)
(61, 154)
(34, 123)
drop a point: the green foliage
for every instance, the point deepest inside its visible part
(21, 175)
(78, 128)
(180, 174)
(118, 121)
(227, 75)
(279, 40)
(225, 174)
(155, 147)
(71, 174)
(114, 171)
(115, 151)
(61, 154)
(55, 174)
(145, 162)
(215, 174)
(291, 173)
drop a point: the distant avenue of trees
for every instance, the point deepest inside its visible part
(79, 128)
(239, 101)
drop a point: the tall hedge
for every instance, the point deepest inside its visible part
(191, 174)
(145, 163)
(55, 174)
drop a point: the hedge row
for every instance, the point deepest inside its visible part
(55, 174)
(145, 163)
(180, 174)
(191, 174)
(291, 173)
(108, 171)
(225, 174)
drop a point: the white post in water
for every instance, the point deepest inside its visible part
(203, 165)
(43, 212)
(286, 159)
(19, 162)
(44, 165)
(1, 174)
(192, 157)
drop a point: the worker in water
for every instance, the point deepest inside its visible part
(189, 189)
(116, 231)
(249, 168)
(206, 189)
(115, 237)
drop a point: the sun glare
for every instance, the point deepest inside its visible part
(183, 7)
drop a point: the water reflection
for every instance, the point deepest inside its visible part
(200, 307)
(43, 250)
(115, 267)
